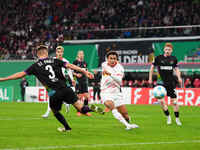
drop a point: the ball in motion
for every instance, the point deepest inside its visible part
(159, 92)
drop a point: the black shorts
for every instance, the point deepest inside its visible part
(66, 95)
(82, 88)
(170, 87)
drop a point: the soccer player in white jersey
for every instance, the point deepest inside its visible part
(111, 93)
(59, 55)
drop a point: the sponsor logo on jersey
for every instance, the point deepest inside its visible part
(166, 67)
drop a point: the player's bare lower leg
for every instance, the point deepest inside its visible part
(166, 111)
(84, 109)
(176, 111)
(109, 104)
(122, 109)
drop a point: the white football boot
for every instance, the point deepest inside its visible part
(132, 126)
(169, 120)
(178, 122)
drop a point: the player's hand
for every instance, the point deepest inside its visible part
(89, 75)
(106, 73)
(180, 81)
(79, 75)
(73, 83)
(150, 81)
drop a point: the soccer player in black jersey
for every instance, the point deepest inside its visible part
(166, 65)
(67, 73)
(82, 81)
(49, 73)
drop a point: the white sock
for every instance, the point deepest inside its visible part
(119, 117)
(48, 109)
(67, 105)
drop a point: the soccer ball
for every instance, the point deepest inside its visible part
(159, 92)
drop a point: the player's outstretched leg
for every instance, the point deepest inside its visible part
(97, 109)
(85, 108)
(119, 117)
(176, 111)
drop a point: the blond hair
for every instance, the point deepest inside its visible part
(60, 48)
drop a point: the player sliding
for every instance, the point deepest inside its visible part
(111, 94)
(49, 73)
(166, 65)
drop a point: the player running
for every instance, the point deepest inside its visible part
(166, 65)
(111, 93)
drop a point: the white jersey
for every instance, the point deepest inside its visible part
(112, 84)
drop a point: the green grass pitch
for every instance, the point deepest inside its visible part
(22, 128)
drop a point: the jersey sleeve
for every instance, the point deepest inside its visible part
(175, 63)
(30, 70)
(103, 66)
(61, 63)
(118, 76)
(69, 71)
(155, 62)
(85, 64)
(75, 62)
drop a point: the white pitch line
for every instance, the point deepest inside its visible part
(100, 145)
(20, 119)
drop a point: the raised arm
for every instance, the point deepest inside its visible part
(15, 76)
(178, 74)
(74, 67)
(151, 74)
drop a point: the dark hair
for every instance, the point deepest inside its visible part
(41, 47)
(112, 53)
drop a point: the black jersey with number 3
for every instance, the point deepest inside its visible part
(165, 66)
(49, 73)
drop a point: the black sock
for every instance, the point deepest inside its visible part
(176, 114)
(62, 120)
(166, 112)
(127, 120)
(86, 102)
(85, 109)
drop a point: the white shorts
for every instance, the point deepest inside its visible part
(116, 98)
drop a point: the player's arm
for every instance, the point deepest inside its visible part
(118, 76)
(79, 75)
(15, 76)
(69, 71)
(115, 76)
(178, 74)
(74, 67)
(151, 74)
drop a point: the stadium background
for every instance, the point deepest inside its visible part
(137, 29)
(136, 56)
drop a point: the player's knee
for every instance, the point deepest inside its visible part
(109, 104)
(85, 109)
(162, 102)
(174, 102)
